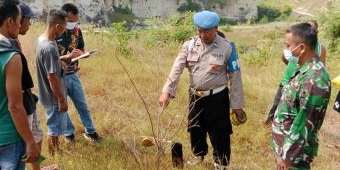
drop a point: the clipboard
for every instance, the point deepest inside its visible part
(85, 55)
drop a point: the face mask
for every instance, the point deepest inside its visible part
(71, 25)
(289, 55)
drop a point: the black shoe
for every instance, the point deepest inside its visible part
(69, 138)
(94, 137)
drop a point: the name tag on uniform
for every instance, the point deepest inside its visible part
(216, 61)
(233, 62)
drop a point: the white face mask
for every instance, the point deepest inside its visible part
(289, 55)
(71, 25)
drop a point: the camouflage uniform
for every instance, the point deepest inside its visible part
(300, 114)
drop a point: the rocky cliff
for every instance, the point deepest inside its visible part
(94, 10)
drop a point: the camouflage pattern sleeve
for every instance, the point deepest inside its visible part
(300, 115)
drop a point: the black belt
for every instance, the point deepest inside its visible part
(70, 73)
(207, 92)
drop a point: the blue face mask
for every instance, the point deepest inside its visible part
(289, 55)
(71, 25)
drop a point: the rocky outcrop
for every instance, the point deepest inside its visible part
(96, 10)
(232, 9)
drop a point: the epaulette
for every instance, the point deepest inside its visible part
(190, 38)
(191, 42)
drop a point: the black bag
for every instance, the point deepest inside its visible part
(30, 101)
(336, 106)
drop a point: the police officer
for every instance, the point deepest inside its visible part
(211, 68)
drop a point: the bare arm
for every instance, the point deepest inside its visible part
(73, 54)
(13, 73)
(57, 91)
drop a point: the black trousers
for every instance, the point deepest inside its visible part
(210, 115)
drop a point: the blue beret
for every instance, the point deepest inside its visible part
(206, 19)
(26, 11)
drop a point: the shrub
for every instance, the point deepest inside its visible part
(175, 28)
(189, 6)
(226, 21)
(286, 10)
(267, 13)
(225, 28)
(264, 52)
(120, 14)
(123, 10)
(270, 13)
(123, 36)
(330, 21)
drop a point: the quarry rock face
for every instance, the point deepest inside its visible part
(97, 10)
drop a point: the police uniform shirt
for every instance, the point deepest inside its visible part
(208, 69)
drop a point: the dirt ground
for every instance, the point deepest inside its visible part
(331, 128)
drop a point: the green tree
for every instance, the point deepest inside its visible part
(120, 30)
(267, 13)
(270, 11)
(189, 6)
(330, 21)
(286, 10)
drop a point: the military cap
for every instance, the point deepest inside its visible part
(206, 19)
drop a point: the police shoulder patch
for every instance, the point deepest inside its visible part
(233, 62)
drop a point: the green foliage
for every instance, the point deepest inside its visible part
(226, 21)
(120, 30)
(241, 49)
(259, 57)
(270, 13)
(123, 10)
(175, 28)
(225, 28)
(263, 53)
(330, 21)
(274, 35)
(121, 14)
(189, 6)
(286, 10)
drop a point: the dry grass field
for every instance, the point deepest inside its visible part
(121, 118)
